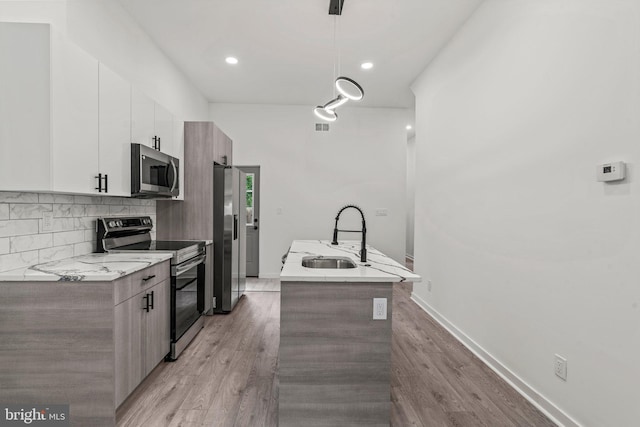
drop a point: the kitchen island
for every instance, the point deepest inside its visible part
(335, 358)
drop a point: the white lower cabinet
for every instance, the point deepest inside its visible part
(141, 335)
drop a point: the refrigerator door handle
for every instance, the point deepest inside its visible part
(235, 227)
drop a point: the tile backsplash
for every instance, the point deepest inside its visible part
(22, 241)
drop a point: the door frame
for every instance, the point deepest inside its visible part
(255, 170)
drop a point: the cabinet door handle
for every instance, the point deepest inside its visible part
(151, 304)
(146, 302)
(106, 183)
(159, 144)
(146, 279)
(99, 187)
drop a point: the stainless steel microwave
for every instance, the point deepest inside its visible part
(153, 173)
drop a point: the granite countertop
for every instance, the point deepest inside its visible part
(91, 267)
(378, 268)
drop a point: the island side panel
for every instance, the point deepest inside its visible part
(335, 360)
(57, 347)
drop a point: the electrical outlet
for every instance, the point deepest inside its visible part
(47, 221)
(561, 367)
(379, 309)
(429, 285)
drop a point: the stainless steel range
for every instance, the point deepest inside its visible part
(133, 234)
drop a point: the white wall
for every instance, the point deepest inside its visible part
(106, 31)
(529, 256)
(411, 194)
(310, 175)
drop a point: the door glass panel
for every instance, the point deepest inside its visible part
(250, 179)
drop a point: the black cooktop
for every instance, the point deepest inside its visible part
(158, 245)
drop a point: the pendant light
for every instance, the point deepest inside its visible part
(335, 103)
(348, 88)
(325, 114)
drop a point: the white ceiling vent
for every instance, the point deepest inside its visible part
(322, 127)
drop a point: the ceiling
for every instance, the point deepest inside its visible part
(286, 47)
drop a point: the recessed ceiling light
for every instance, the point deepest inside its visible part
(409, 127)
(366, 65)
(231, 60)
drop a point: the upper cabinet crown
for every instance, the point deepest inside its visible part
(67, 121)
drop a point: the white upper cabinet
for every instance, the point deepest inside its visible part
(142, 118)
(115, 132)
(25, 73)
(163, 129)
(151, 123)
(74, 143)
(66, 121)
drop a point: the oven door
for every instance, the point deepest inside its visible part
(187, 295)
(153, 173)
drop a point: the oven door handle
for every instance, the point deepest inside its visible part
(183, 268)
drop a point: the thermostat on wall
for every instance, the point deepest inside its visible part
(611, 172)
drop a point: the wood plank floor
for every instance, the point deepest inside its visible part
(228, 375)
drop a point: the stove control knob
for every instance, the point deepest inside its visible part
(112, 223)
(119, 223)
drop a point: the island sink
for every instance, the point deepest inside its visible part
(327, 262)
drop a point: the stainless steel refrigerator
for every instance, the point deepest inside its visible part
(229, 236)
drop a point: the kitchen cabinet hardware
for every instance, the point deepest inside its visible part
(99, 187)
(99, 177)
(156, 142)
(146, 302)
(151, 304)
(146, 279)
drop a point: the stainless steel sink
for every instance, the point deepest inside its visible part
(327, 262)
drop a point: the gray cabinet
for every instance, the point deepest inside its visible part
(222, 147)
(91, 342)
(157, 327)
(204, 143)
(128, 322)
(141, 327)
(208, 281)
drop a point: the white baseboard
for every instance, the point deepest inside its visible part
(538, 400)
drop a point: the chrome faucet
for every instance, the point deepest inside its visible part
(363, 249)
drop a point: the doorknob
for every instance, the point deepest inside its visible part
(255, 223)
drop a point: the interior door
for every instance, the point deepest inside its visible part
(252, 219)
